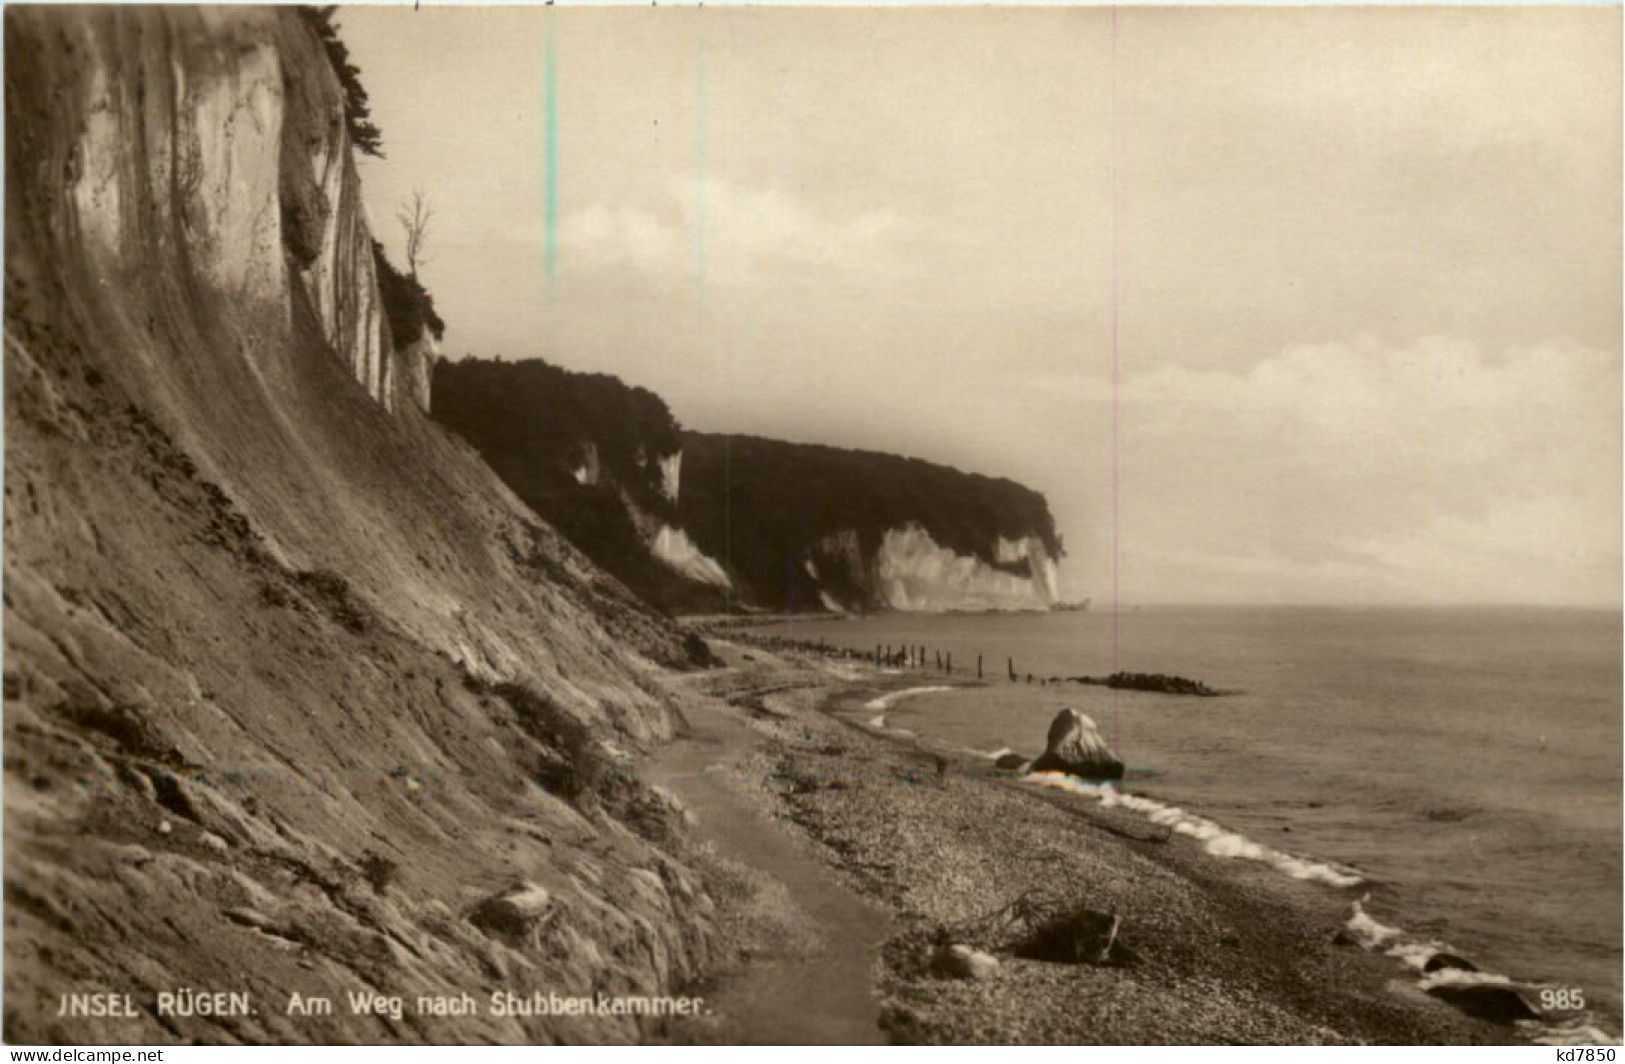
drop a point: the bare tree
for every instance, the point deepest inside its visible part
(414, 217)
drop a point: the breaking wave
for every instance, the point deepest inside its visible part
(885, 702)
(1367, 932)
(1216, 840)
(1415, 953)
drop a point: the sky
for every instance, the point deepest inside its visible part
(1280, 305)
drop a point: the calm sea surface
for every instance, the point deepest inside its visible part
(1466, 762)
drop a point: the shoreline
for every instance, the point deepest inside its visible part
(1222, 950)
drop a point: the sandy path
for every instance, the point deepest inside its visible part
(814, 992)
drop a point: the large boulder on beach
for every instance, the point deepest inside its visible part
(515, 912)
(1075, 747)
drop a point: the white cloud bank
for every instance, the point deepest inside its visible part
(1434, 471)
(727, 231)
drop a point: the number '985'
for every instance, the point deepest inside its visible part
(1563, 998)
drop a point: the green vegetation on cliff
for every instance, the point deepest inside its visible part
(407, 304)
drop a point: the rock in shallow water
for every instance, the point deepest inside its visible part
(1448, 960)
(1486, 1001)
(1076, 748)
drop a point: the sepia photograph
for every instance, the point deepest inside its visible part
(699, 525)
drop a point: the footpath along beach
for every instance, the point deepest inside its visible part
(885, 890)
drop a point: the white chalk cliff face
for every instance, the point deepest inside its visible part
(587, 472)
(671, 474)
(218, 151)
(286, 596)
(914, 573)
(417, 362)
(673, 547)
(1046, 575)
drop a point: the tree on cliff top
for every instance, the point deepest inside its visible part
(357, 108)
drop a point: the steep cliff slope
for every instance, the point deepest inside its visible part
(599, 459)
(295, 689)
(697, 522)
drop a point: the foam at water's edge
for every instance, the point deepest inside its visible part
(1415, 953)
(887, 701)
(1368, 932)
(1216, 840)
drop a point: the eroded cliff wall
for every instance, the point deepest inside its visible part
(294, 686)
(803, 527)
(701, 522)
(598, 458)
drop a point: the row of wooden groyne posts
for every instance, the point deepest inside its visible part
(923, 659)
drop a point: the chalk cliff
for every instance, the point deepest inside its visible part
(298, 696)
(701, 522)
(803, 526)
(598, 458)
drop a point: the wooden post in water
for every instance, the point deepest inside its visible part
(950, 663)
(1010, 663)
(978, 666)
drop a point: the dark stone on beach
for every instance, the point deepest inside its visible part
(515, 912)
(1075, 747)
(963, 962)
(1440, 961)
(1010, 762)
(1345, 937)
(1081, 936)
(1486, 1001)
(1076, 936)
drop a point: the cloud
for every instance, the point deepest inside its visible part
(1551, 549)
(1432, 471)
(731, 232)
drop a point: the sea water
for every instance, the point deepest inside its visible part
(1465, 762)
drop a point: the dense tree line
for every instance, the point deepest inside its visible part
(357, 108)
